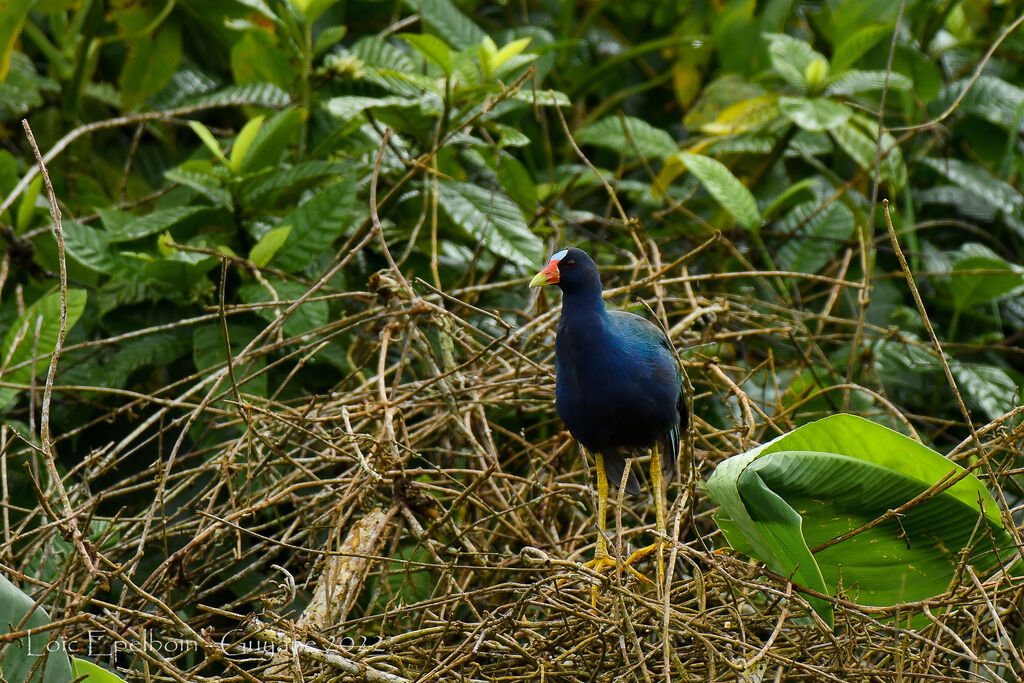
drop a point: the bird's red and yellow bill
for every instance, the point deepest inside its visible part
(549, 276)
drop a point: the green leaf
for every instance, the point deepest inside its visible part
(160, 220)
(256, 94)
(629, 135)
(852, 82)
(308, 316)
(813, 241)
(211, 142)
(827, 478)
(979, 280)
(814, 114)
(491, 218)
(432, 48)
(855, 45)
(978, 182)
(21, 656)
(152, 60)
(260, 189)
(272, 140)
(12, 16)
(725, 188)
(991, 98)
(203, 183)
(329, 37)
(446, 20)
(791, 58)
(857, 137)
(986, 387)
(243, 142)
(22, 342)
(268, 245)
(258, 58)
(316, 224)
(92, 672)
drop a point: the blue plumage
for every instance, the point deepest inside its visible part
(618, 388)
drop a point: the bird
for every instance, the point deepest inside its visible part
(618, 390)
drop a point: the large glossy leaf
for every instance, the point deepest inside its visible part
(782, 500)
(25, 653)
(92, 672)
(990, 98)
(493, 219)
(152, 223)
(315, 224)
(629, 135)
(725, 188)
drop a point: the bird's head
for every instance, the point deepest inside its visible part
(571, 269)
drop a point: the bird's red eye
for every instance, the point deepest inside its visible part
(569, 264)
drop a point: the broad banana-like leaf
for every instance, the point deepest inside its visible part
(782, 501)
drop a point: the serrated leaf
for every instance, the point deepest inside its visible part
(266, 186)
(268, 245)
(725, 188)
(852, 82)
(978, 182)
(432, 48)
(256, 94)
(855, 45)
(315, 225)
(815, 114)
(629, 135)
(446, 20)
(856, 137)
(991, 98)
(204, 184)
(308, 316)
(137, 227)
(329, 37)
(43, 315)
(814, 239)
(791, 58)
(987, 388)
(492, 218)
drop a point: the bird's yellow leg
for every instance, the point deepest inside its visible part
(602, 560)
(659, 518)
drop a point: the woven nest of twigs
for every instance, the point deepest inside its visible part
(428, 519)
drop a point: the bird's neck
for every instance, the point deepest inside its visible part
(584, 307)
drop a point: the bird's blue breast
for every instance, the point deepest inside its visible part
(617, 384)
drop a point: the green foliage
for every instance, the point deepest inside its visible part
(225, 155)
(788, 501)
(33, 659)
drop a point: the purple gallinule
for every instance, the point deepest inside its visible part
(617, 389)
